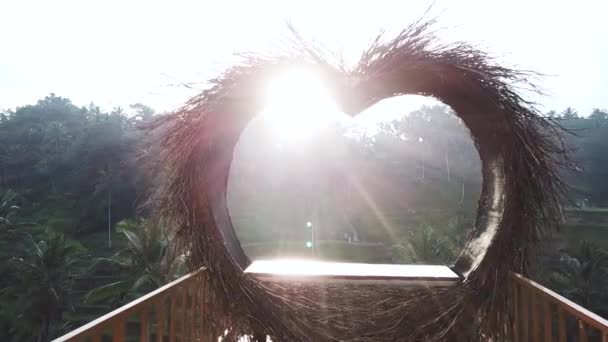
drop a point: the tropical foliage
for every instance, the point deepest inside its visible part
(8, 209)
(70, 189)
(67, 174)
(424, 246)
(583, 277)
(147, 263)
(39, 291)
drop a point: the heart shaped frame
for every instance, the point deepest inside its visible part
(521, 155)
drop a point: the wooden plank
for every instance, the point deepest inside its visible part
(118, 331)
(516, 307)
(125, 310)
(213, 321)
(525, 295)
(143, 324)
(579, 312)
(160, 318)
(184, 311)
(194, 286)
(172, 314)
(289, 270)
(203, 309)
(561, 327)
(582, 331)
(548, 321)
(535, 317)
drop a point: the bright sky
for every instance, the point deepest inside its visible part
(119, 52)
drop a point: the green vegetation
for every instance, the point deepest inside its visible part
(40, 286)
(67, 177)
(148, 262)
(73, 243)
(416, 177)
(583, 277)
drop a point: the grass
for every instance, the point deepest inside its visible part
(589, 224)
(326, 250)
(587, 210)
(574, 234)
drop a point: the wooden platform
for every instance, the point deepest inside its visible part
(289, 270)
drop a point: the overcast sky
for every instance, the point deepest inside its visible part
(120, 52)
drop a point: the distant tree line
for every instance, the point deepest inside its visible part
(588, 143)
(421, 167)
(71, 185)
(68, 175)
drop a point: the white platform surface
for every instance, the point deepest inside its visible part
(313, 270)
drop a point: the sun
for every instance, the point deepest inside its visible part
(298, 105)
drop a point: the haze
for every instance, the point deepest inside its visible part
(117, 53)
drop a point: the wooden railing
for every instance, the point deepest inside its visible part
(543, 315)
(177, 311)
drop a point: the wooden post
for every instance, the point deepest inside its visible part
(172, 314)
(203, 309)
(143, 324)
(195, 285)
(524, 313)
(118, 330)
(561, 325)
(515, 293)
(160, 319)
(548, 326)
(535, 317)
(582, 331)
(184, 311)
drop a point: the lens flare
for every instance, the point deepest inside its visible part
(298, 105)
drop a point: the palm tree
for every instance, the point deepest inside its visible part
(8, 209)
(40, 290)
(569, 113)
(147, 263)
(583, 277)
(423, 246)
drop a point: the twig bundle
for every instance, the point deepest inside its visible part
(521, 157)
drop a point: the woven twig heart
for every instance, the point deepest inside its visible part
(520, 195)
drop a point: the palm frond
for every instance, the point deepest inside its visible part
(107, 292)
